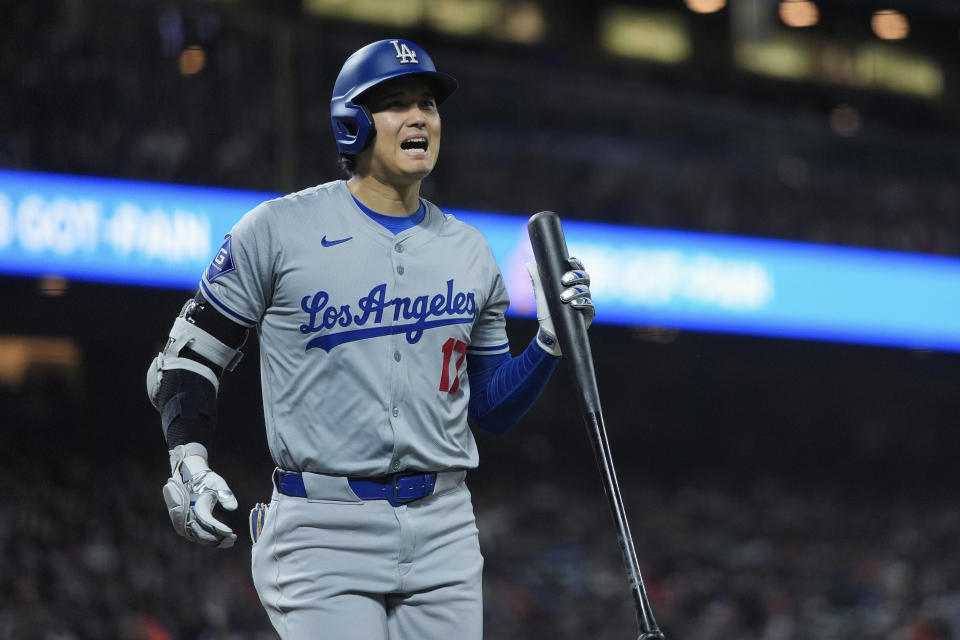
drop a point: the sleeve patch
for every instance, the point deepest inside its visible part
(223, 262)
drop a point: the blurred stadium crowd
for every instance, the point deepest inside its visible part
(86, 551)
(102, 88)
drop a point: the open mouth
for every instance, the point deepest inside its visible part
(414, 144)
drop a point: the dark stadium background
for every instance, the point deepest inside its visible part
(777, 489)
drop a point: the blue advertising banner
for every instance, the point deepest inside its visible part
(163, 235)
(110, 230)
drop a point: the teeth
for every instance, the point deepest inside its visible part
(414, 144)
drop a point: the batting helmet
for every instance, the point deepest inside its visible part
(367, 68)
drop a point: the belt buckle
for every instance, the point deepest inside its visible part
(396, 499)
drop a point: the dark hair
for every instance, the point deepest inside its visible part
(347, 163)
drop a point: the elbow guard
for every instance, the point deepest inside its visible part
(200, 342)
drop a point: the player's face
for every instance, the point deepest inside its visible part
(407, 142)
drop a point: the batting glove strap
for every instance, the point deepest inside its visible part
(547, 335)
(548, 342)
(192, 492)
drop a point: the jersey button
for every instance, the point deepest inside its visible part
(400, 269)
(396, 466)
(396, 412)
(397, 356)
(398, 248)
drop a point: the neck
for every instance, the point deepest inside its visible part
(390, 200)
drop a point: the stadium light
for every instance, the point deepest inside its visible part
(845, 120)
(799, 13)
(52, 285)
(463, 17)
(650, 35)
(706, 6)
(889, 24)
(21, 354)
(524, 22)
(192, 60)
(394, 13)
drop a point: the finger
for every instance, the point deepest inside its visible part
(576, 295)
(582, 304)
(584, 307)
(588, 310)
(224, 494)
(576, 277)
(211, 532)
(227, 541)
(203, 512)
(201, 536)
(579, 298)
(227, 500)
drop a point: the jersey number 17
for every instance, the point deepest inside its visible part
(450, 347)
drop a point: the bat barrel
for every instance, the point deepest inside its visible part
(550, 251)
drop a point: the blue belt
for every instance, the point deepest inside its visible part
(397, 489)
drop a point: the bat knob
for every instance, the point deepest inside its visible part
(651, 635)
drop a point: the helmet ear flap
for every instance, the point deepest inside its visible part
(352, 126)
(366, 115)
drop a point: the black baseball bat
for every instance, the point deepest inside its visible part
(550, 251)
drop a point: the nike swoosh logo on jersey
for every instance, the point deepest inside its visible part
(330, 243)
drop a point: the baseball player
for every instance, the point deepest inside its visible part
(381, 328)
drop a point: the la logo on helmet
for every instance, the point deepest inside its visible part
(404, 53)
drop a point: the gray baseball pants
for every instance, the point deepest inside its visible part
(332, 566)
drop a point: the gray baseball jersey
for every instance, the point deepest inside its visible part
(363, 334)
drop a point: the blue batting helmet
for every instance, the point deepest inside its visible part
(367, 68)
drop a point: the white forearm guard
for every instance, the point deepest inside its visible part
(186, 334)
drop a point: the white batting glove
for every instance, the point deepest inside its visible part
(576, 293)
(192, 492)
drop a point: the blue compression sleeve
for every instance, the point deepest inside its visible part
(503, 388)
